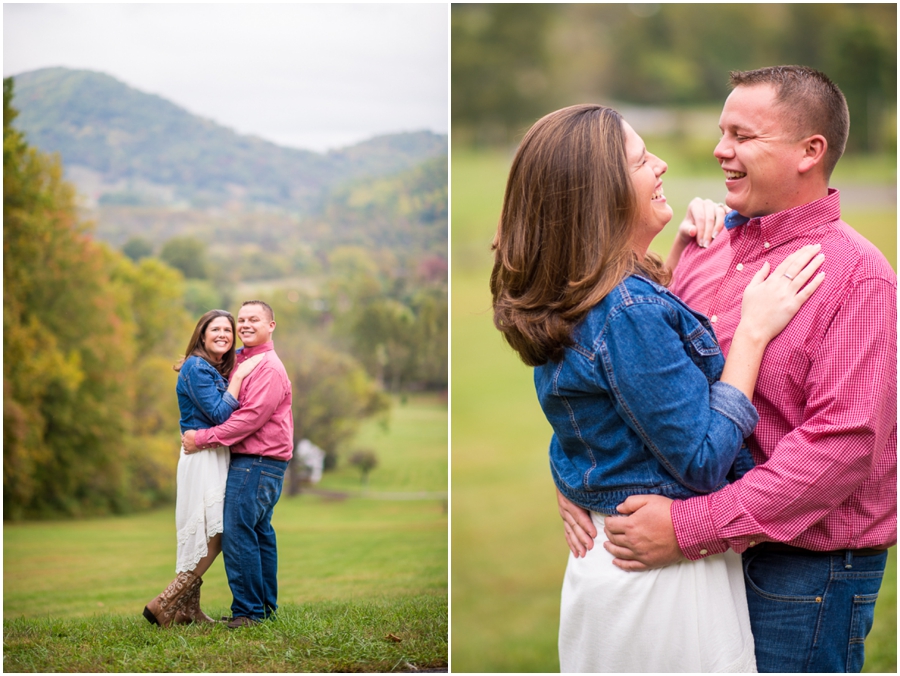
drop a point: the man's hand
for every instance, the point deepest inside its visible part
(187, 440)
(646, 538)
(580, 529)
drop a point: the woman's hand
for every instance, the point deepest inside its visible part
(580, 529)
(771, 300)
(703, 221)
(246, 367)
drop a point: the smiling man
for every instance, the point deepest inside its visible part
(261, 436)
(816, 515)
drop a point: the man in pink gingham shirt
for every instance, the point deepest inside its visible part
(261, 436)
(815, 516)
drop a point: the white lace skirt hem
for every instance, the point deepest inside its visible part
(199, 503)
(689, 617)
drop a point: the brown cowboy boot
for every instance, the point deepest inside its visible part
(163, 608)
(190, 611)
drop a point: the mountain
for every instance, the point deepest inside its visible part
(121, 146)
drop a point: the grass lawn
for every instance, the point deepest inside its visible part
(411, 449)
(351, 572)
(509, 554)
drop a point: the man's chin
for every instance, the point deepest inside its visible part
(734, 204)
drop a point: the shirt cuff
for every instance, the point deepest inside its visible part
(694, 528)
(204, 439)
(231, 401)
(734, 405)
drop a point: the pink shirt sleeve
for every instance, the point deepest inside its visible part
(260, 394)
(850, 412)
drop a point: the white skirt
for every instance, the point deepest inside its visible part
(688, 617)
(199, 500)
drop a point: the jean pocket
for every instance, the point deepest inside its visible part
(269, 489)
(783, 577)
(860, 624)
(237, 480)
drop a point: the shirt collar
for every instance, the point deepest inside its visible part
(790, 223)
(247, 352)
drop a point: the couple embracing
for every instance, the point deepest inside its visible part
(744, 504)
(237, 440)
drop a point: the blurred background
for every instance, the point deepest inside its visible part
(665, 67)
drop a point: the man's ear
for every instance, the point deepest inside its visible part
(814, 149)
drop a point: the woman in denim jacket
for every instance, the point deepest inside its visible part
(206, 399)
(632, 382)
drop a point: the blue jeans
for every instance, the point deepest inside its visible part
(811, 612)
(248, 541)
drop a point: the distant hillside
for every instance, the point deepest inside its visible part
(405, 213)
(124, 147)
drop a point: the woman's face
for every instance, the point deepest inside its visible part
(218, 337)
(646, 170)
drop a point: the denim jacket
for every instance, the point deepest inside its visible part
(202, 395)
(636, 404)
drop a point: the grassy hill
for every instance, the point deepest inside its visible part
(126, 147)
(362, 576)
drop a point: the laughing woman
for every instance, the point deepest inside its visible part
(206, 399)
(633, 384)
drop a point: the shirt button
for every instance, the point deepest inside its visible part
(740, 266)
(714, 319)
(703, 552)
(766, 244)
(752, 543)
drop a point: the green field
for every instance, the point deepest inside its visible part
(352, 569)
(509, 554)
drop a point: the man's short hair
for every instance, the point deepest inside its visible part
(269, 311)
(810, 103)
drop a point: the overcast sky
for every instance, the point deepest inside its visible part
(310, 76)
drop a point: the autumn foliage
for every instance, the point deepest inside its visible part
(89, 420)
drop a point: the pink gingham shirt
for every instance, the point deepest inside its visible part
(263, 425)
(826, 443)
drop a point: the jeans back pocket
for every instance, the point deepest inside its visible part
(269, 489)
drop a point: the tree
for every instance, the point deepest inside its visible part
(513, 63)
(187, 254)
(366, 460)
(88, 341)
(332, 395)
(500, 65)
(66, 344)
(137, 248)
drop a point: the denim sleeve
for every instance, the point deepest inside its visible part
(732, 403)
(695, 430)
(203, 388)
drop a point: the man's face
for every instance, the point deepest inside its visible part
(759, 156)
(254, 326)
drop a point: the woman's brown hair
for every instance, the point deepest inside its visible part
(197, 348)
(565, 235)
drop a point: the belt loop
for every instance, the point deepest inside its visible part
(848, 559)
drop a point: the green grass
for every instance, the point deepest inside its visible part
(311, 637)
(411, 449)
(351, 571)
(509, 554)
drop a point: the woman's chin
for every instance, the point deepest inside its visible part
(665, 213)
